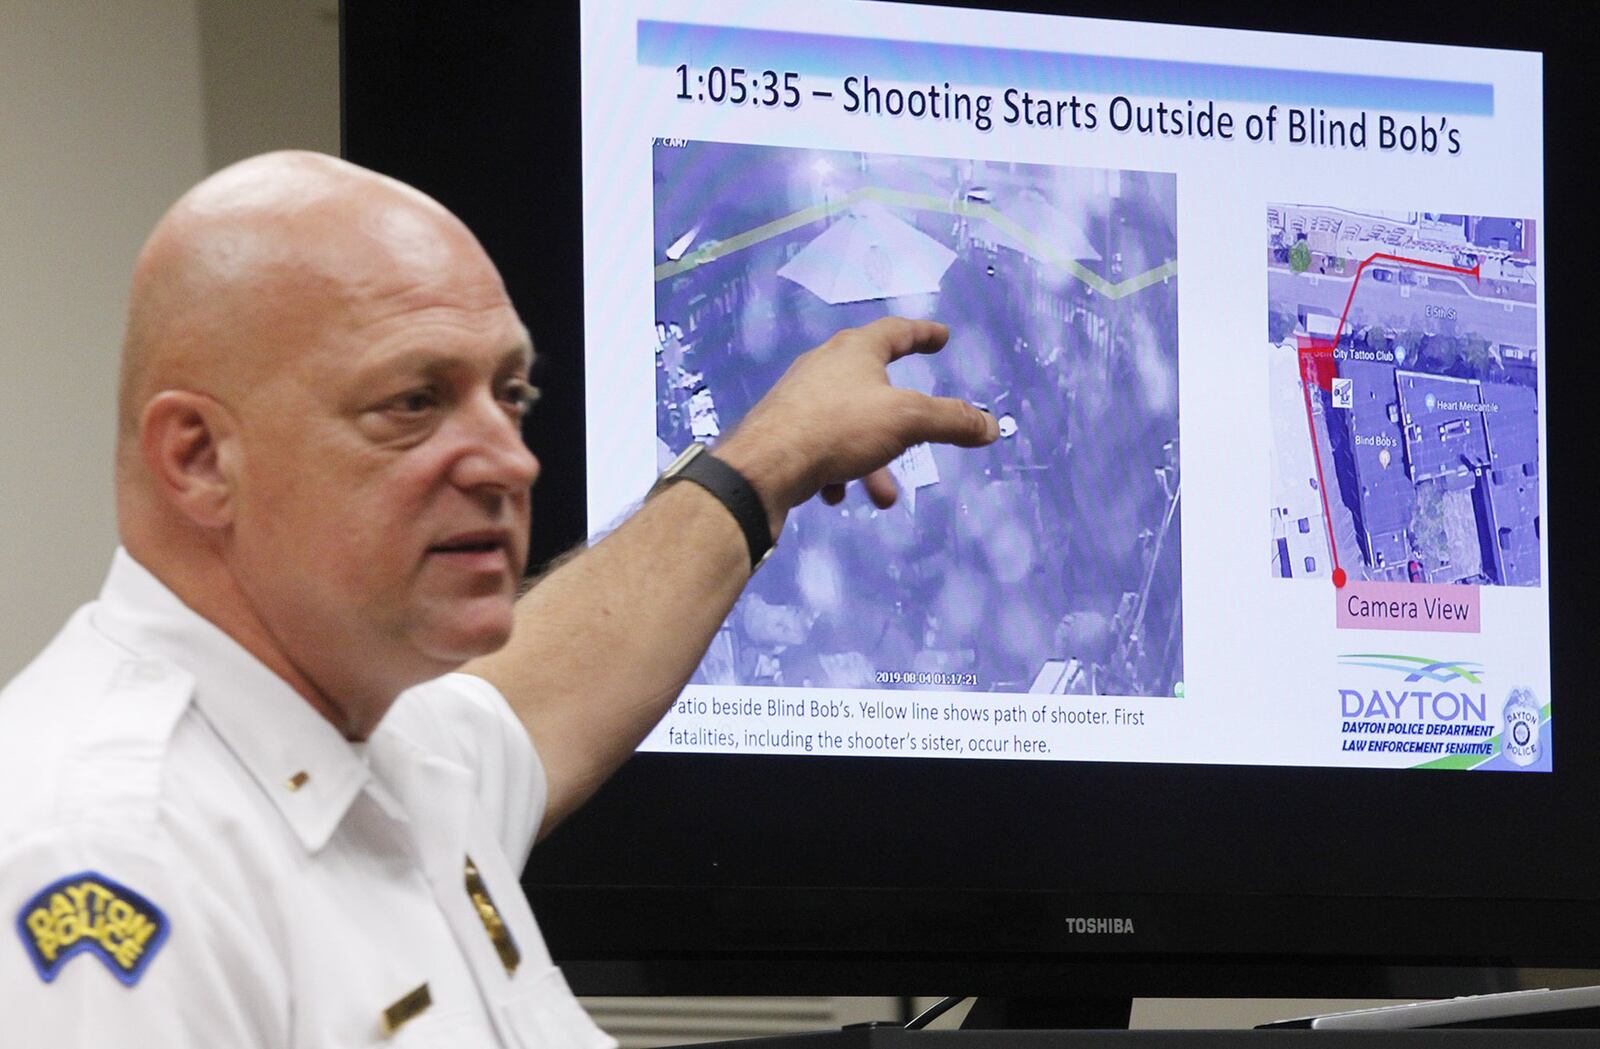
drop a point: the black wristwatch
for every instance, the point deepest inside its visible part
(697, 464)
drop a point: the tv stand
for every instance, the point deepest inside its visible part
(1543, 1018)
(899, 1038)
(1049, 1014)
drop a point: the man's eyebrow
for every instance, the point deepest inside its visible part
(525, 347)
(525, 353)
(426, 359)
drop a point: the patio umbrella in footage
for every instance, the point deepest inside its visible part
(869, 254)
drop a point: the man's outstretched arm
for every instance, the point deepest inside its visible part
(603, 645)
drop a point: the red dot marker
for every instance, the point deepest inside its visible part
(1338, 577)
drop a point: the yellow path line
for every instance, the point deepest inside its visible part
(922, 202)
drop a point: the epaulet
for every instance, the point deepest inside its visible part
(113, 769)
(85, 728)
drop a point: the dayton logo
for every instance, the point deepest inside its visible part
(1417, 669)
(1429, 690)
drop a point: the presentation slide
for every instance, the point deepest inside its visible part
(1256, 500)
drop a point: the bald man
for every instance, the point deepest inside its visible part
(275, 787)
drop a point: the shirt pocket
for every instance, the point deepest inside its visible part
(541, 1013)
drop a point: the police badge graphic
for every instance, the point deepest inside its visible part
(1519, 742)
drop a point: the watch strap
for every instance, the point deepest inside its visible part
(731, 489)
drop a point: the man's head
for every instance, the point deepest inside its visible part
(319, 445)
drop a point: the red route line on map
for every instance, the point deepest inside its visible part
(1319, 353)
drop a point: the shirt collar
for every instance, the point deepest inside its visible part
(431, 794)
(309, 771)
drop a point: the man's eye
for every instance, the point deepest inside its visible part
(519, 398)
(415, 402)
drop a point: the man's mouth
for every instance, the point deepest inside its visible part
(488, 548)
(468, 546)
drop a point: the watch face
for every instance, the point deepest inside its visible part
(687, 456)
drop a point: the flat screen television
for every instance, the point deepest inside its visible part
(1230, 669)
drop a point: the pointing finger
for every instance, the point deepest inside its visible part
(949, 420)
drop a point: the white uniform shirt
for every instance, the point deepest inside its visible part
(190, 855)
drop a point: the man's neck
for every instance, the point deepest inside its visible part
(210, 589)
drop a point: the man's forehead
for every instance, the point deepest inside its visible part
(425, 347)
(426, 289)
(412, 237)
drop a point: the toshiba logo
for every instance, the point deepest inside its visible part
(1100, 926)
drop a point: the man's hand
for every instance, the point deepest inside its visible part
(833, 418)
(603, 645)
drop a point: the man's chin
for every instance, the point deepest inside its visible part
(468, 633)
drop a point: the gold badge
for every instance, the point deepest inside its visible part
(409, 1007)
(493, 924)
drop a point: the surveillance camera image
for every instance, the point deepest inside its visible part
(1049, 562)
(1405, 405)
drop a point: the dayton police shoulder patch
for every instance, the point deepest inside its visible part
(89, 912)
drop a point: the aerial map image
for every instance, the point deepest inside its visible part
(1404, 396)
(1048, 562)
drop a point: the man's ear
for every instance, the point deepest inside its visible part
(188, 443)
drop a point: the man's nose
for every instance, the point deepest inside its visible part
(496, 455)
